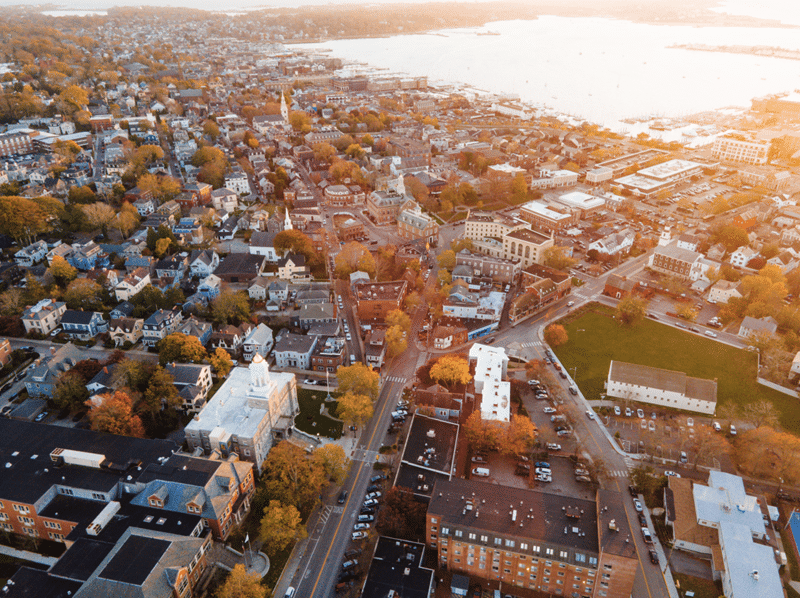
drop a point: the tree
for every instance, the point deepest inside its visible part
(556, 257)
(354, 257)
(72, 99)
(401, 516)
(631, 310)
(324, 152)
(359, 379)
(396, 342)
(162, 247)
(555, 335)
(761, 413)
(23, 219)
(160, 392)
(115, 416)
(134, 374)
(162, 188)
(179, 347)
(333, 461)
(447, 260)
(211, 129)
(769, 454)
(230, 307)
(518, 436)
(61, 271)
(450, 371)
(281, 526)
(708, 445)
(70, 391)
(300, 121)
(355, 409)
(221, 361)
(241, 584)
(127, 219)
(481, 434)
(83, 293)
(294, 241)
(399, 318)
(292, 477)
(99, 214)
(11, 303)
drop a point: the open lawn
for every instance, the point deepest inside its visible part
(595, 339)
(310, 419)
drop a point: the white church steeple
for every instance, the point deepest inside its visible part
(284, 109)
(666, 237)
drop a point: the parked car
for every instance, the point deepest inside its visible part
(543, 478)
(377, 478)
(542, 471)
(617, 410)
(642, 520)
(373, 488)
(482, 472)
(366, 518)
(342, 497)
(651, 425)
(479, 459)
(733, 430)
(640, 414)
(361, 526)
(549, 410)
(359, 536)
(648, 539)
(41, 416)
(684, 457)
(370, 502)
(633, 491)
(628, 412)
(351, 564)
(552, 446)
(590, 414)
(637, 505)
(374, 495)
(716, 426)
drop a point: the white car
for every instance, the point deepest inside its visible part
(628, 412)
(552, 446)
(359, 536)
(716, 426)
(651, 425)
(617, 410)
(637, 505)
(360, 526)
(689, 422)
(640, 413)
(543, 478)
(549, 410)
(672, 474)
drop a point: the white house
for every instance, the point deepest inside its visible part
(491, 365)
(294, 350)
(30, 255)
(258, 288)
(258, 341)
(238, 183)
(132, 284)
(203, 262)
(44, 317)
(292, 266)
(261, 243)
(224, 199)
(665, 388)
(741, 256)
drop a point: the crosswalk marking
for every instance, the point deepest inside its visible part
(616, 473)
(326, 512)
(364, 455)
(629, 462)
(532, 344)
(395, 379)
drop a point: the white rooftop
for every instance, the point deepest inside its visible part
(581, 200)
(490, 369)
(750, 568)
(541, 209)
(724, 500)
(668, 169)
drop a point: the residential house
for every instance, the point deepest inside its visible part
(160, 324)
(258, 341)
(145, 206)
(230, 337)
(278, 291)
(44, 317)
(193, 382)
(375, 348)
(197, 328)
(444, 404)
(316, 314)
(760, 326)
(224, 199)
(258, 288)
(445, 337)
(30, 255)
(294, 350)
(87, 256)
(62, 250)
(132, 284)
(240, 267)
(172, 267)
(41, 379)
(122, 310)
(262, 243)
(210, 287)
(619, 287)
(189, 230)
(293, 266)
(615, 244)
(83, 325)
(203, 262)
(125, 330)
(330, 353)
(722, 291)
(742, 256)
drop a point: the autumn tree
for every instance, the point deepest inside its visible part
(401, 516)
(555, 335)
(355, 409)
(126, 220)
(295, 241)
(556, 257)
(211, 129)
(115, 415)
(631, 310)
(61, 271)
(447, 260)
(99, 215)
(70, 391)
(221, 361)
(230, 307)
(761, 413)
(397, 317)
(354, 257)
(293, 477)
(333, 461)
(181, 348)
(518, 436)
(324, 152)
(359, 379)
(768, 454)
(481, 434)
(160, 392)
(280, 526)
(24, 219)
(163, 188)
(451, 371)
(241, 584)
(396, 341)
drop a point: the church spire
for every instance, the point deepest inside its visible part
(284, 109)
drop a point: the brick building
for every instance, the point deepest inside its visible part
(375, 300)
(517, 536)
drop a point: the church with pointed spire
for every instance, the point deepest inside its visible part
(253, 410)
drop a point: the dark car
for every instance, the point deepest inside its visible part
(367, 511)
(343, 586)
(373, 488)
(653, 557)
(353, 552)
(642, 520)
(633, 491)
(78, 416)
(342, 497)
(377, 478)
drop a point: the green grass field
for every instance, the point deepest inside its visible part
(595, 339)
(311, 420)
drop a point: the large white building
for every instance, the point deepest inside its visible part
(251, 411)
(238, 183)
(665, 388)
(649, 181)
(737, 148)
(491, 365)
(554, 178)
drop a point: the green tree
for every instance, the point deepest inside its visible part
(631, 310)
(160, 392)
(451, 370)
(181, 348)
(280, 527)
(70, 391)
(230, 307)
(555, 335)
(61, 271)
(221, 361)
(359, 379)
(83, 293)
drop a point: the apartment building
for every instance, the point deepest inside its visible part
(738, 148)
(517, 536)
(526, 246)
(375, 300)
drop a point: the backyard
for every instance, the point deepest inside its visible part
(595, 339)
(311, 420)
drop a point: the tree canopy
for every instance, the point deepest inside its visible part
(359, 379)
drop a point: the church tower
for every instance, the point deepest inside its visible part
(665, 238)
(284, 109)
(287, 222)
